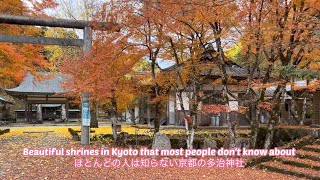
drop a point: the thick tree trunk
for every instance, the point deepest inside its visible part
(274, 119)
(179, 94)
(231, 123)
(156, 92)
(189, 127)
(157, 119)
(190, 134)
(255, 125)
(232, 130)
(269, 135)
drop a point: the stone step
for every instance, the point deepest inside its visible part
(286, 172)
(29, 132)
(307, 153)
(279, 167)
(303, 156)
(302, 160)
(79, 131)
(316, 146)
(304, 163)
(311, 149)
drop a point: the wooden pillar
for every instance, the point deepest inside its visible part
(26, 111)
(61, 114)
(67, 110)
(176, 122)
(316, 108)
(30, 113)
(148, 114)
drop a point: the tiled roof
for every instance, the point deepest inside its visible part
(232, 70)
(270, 90)
(2, 100)
(30, 85)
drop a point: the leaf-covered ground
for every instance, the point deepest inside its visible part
(106, 129)
(13, 165)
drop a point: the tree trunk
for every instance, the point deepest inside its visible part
(274, 119)
(190, 134)
(232, 130)
(293, 110)
(293, 102)
(189, 127)
(179, 94)
(304, 109)
(157, 119)
(156, 93)
(114, 114)
(231, 123)
(255, 125)
(269, 135)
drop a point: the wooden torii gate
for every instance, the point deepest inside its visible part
(85, 43)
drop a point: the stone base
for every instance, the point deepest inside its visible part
(315, 126)
(315, 134)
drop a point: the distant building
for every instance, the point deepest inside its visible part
(236, 72)
(44, 99)
(5, 106)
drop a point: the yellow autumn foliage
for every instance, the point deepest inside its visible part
(63, 130)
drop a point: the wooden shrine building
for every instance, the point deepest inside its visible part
(42, 98)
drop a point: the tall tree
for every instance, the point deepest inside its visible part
(104, 71)
(278, 37)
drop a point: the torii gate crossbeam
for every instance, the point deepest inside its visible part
(85, 43)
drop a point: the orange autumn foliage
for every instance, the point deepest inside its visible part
(101, 71)
(17, 59)
(265, 106)
(215, 108)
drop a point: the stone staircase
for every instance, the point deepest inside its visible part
(306, 163)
